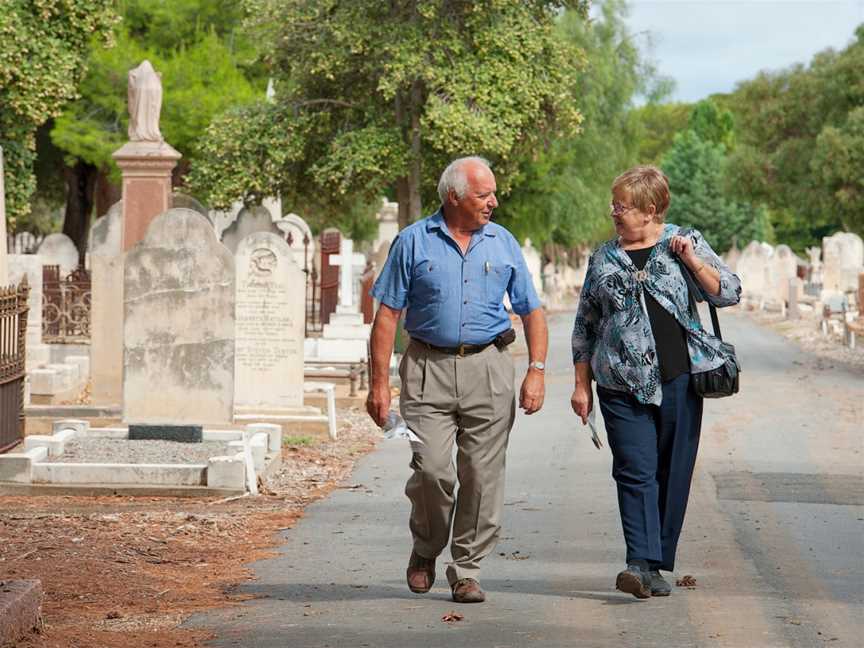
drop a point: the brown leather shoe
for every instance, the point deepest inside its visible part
(421, 573)
(467, 590)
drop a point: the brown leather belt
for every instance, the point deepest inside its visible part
(461, 350)
(503, 340)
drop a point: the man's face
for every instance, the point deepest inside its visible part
(475, 207)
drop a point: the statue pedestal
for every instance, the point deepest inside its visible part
(146, 168)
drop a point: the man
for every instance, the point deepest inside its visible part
(450, 272)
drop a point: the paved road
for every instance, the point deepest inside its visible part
(774, 536)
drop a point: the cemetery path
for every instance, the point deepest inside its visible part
(773, 537)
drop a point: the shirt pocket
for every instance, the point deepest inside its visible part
(430, 283)
(497, 279)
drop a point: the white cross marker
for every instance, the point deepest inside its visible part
(346, 261)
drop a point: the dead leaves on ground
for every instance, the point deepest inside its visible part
(452, 617)
(686, 581)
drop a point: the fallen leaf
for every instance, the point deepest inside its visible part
(686, 581)
(452, 617)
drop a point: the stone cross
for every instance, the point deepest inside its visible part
(346, 261)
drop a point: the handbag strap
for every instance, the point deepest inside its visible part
(696, 295)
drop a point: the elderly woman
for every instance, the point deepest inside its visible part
(635, 334)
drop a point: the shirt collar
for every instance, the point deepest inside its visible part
(436, 221)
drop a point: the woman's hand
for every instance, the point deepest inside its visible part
(683, 247)
(582, 401)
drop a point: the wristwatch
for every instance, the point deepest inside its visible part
(539, 366)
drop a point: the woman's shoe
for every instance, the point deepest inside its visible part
(634, 580)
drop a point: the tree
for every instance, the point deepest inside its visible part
(797, 134)
(43, 48)
(204, 69)
(696, 166)
(374, 96)
(561, 192)
(658, 125)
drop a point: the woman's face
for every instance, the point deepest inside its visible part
(630, 222)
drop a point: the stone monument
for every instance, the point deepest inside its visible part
(270, 322)
(178, 329)
(146, 160)
(58, 249)
(250, 220)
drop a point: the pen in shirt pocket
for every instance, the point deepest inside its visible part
(486, 267)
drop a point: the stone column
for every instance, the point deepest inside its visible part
(4, 268)
(146, 168)
(861, 295)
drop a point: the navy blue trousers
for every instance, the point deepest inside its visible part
(654, 452)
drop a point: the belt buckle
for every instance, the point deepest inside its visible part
(460, 351)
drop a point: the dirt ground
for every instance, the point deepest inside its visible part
(122, 571)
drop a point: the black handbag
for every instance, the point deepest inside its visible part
(722, 381)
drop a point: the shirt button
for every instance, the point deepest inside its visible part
(465, 302)
(466, 281)
(464, 323)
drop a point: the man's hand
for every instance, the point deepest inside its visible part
(582, 401)
(533, 391)
(378, 403)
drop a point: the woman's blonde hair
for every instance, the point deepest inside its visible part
(644, 186)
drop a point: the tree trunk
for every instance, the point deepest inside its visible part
(415, 168)
(402, 194)
(80, 189)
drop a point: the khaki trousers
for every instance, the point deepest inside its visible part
(469, 400)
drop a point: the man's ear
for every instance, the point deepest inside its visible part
(452, 198)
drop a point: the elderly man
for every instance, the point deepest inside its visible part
(450, 272)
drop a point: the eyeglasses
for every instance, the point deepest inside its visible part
(617, 209)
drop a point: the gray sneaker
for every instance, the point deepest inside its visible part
(634, 580)
(658, 585)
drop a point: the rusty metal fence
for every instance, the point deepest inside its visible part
(13, 331)
(65, 306)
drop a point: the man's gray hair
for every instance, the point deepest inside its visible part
(455, 179)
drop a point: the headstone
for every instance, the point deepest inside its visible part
(348, 263)
(784, 267)
(861, 295)
(249, 221)
(30, 265)
(796, 290)
(59, 250)
(106, 307)
(388, 224)
(178, 295)
(4, 264)
(183, 201)
(843, 260)
(270, 315)
(296, 231)
(535, 265)
(329, 278)
(815, 256)
(754, 270)
(731, 258)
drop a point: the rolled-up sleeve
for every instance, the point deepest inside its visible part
(520, 289)
(394, 282)
(585, 328)
(730, 284)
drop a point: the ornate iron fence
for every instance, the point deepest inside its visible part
(13, 349)
(65, 306)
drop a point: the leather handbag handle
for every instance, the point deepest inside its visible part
(696, 295)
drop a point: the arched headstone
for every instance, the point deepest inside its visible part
(249, 221)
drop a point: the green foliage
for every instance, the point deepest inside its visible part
(712, 124)
(696, 169)
(375, 96)
(200, 73)
(561, 193)
(799, 138)
(43, 48)
(658, 125)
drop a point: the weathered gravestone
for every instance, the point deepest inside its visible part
(842, 259)
(783, 267)
(59, 250)
(178, 297)
(249, 221)
(106, 306)
(535, 265)
(270, 322)
(296, 231)
(754, 270)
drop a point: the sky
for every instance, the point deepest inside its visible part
(707, 46)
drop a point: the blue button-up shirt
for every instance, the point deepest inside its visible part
(454, 298)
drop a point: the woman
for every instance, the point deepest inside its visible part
(637, 337)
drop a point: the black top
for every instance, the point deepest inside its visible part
(669, 335)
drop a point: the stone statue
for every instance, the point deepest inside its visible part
(145, 104)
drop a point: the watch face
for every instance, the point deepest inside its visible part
(538, 365)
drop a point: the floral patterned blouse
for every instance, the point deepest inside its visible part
(612, 330)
